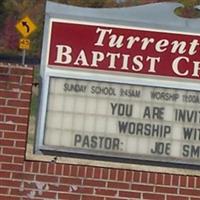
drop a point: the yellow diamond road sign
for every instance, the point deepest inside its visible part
(26, 26)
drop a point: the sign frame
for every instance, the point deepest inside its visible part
(47, 72)
(136, 158)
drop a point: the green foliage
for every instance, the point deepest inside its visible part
(188, 10)
(189, 3)
(2, 13)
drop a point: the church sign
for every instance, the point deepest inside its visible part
(122, 93)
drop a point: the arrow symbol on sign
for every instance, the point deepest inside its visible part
(24, 23)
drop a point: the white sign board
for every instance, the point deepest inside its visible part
(123, 120)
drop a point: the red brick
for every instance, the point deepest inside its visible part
(81, 171)
(88, 197)
(74, 170)
(43, 167)
(142, 187)
(144, 177)
(7, 127)
(13, 151)
(11, 167)
(47, 194)
(120, 185)
(4, 77)
(121, 175)
(9, 94)
(10, 78)
(28, 166)
(22, 176)
(22, 71)
(167, 179)
(129, 194)
(58, 187)
(59, 169)
(10, 183)
(1, 117)
(74, 181)
(1, 134)
(24, 112)
(13, 86)
(175, 180)
(18, 159)
(2, 102)
(191, 181)
(18, 103)
(14, 135)
(22, 128)
(26, 88)
(105, 192)
(8, 110)
(192, 192)
(25, 96)
(5, 174)
(151, 196)
(160, 179)
(66, 171)
(4, 190)
(27, 80)
(83, 190)
(113, 174)
(4, 142)
(20, 143)
(6, 158)
(183, 181)
(167, 189)
(17, 119)
(198, 182)
(175, 197)
(35, 167)
(128, 176)
(136, 176)
(94, 183)
(3, 197)
(46, 178)
(4, 85)
(51, 168)
(29, 185)
(89, 172)
(4, 70)
(69, 196)
(105, 173)
(97, 173)
(19, 192)
(110, 198)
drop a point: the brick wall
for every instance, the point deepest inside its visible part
(23, 179)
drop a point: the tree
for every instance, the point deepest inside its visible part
(2, 12)
(10, 35)
(188, 10)
(189, 3)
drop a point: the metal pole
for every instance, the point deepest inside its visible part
(23, 56)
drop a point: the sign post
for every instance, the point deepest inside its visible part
(26, 27)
